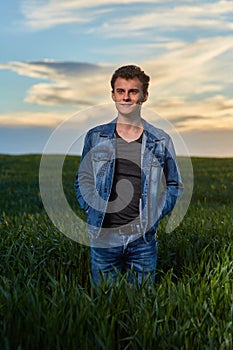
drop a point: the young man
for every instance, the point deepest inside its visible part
(119, 180)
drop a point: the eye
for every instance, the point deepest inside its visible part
(134, 91)
(120, 91)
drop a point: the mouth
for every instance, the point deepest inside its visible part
(126, 104)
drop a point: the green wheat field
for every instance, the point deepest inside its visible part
(47, 300)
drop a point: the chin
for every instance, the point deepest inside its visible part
(129, 110)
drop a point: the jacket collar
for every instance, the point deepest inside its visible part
(108, 130)
(152, 133)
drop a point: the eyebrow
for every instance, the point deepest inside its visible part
(130, 90)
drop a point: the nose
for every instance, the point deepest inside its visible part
(126, 96)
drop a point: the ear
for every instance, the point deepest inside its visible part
(145, 97)
(113, 96)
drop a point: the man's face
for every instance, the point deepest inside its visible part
(128, 95)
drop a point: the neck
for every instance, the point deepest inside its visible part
(129, 121)
(129, 131)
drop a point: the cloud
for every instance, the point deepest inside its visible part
(189, 70)
(215, 113)
(152, 15)
(31, 119)
(190, 85)
(195, 69)
(48, 14)
(43, 15)
(158, 19)
(62, 94)
(73, 83)
(51, 69)
(209, 143)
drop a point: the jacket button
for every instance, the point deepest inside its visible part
(105, 190)
(99, 216)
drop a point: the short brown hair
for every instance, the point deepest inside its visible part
(131, 72)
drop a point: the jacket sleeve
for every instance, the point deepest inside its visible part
(173, 183)
(84, 180)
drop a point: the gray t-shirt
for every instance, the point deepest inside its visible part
(123, 207)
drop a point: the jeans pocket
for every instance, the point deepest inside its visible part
(149, 238)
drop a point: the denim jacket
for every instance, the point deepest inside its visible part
(161, 181)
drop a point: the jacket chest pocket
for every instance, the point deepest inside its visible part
(157, 166)
(100, 163)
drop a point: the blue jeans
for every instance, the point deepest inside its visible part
(135, 256)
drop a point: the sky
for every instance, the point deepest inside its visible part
(57, 58)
